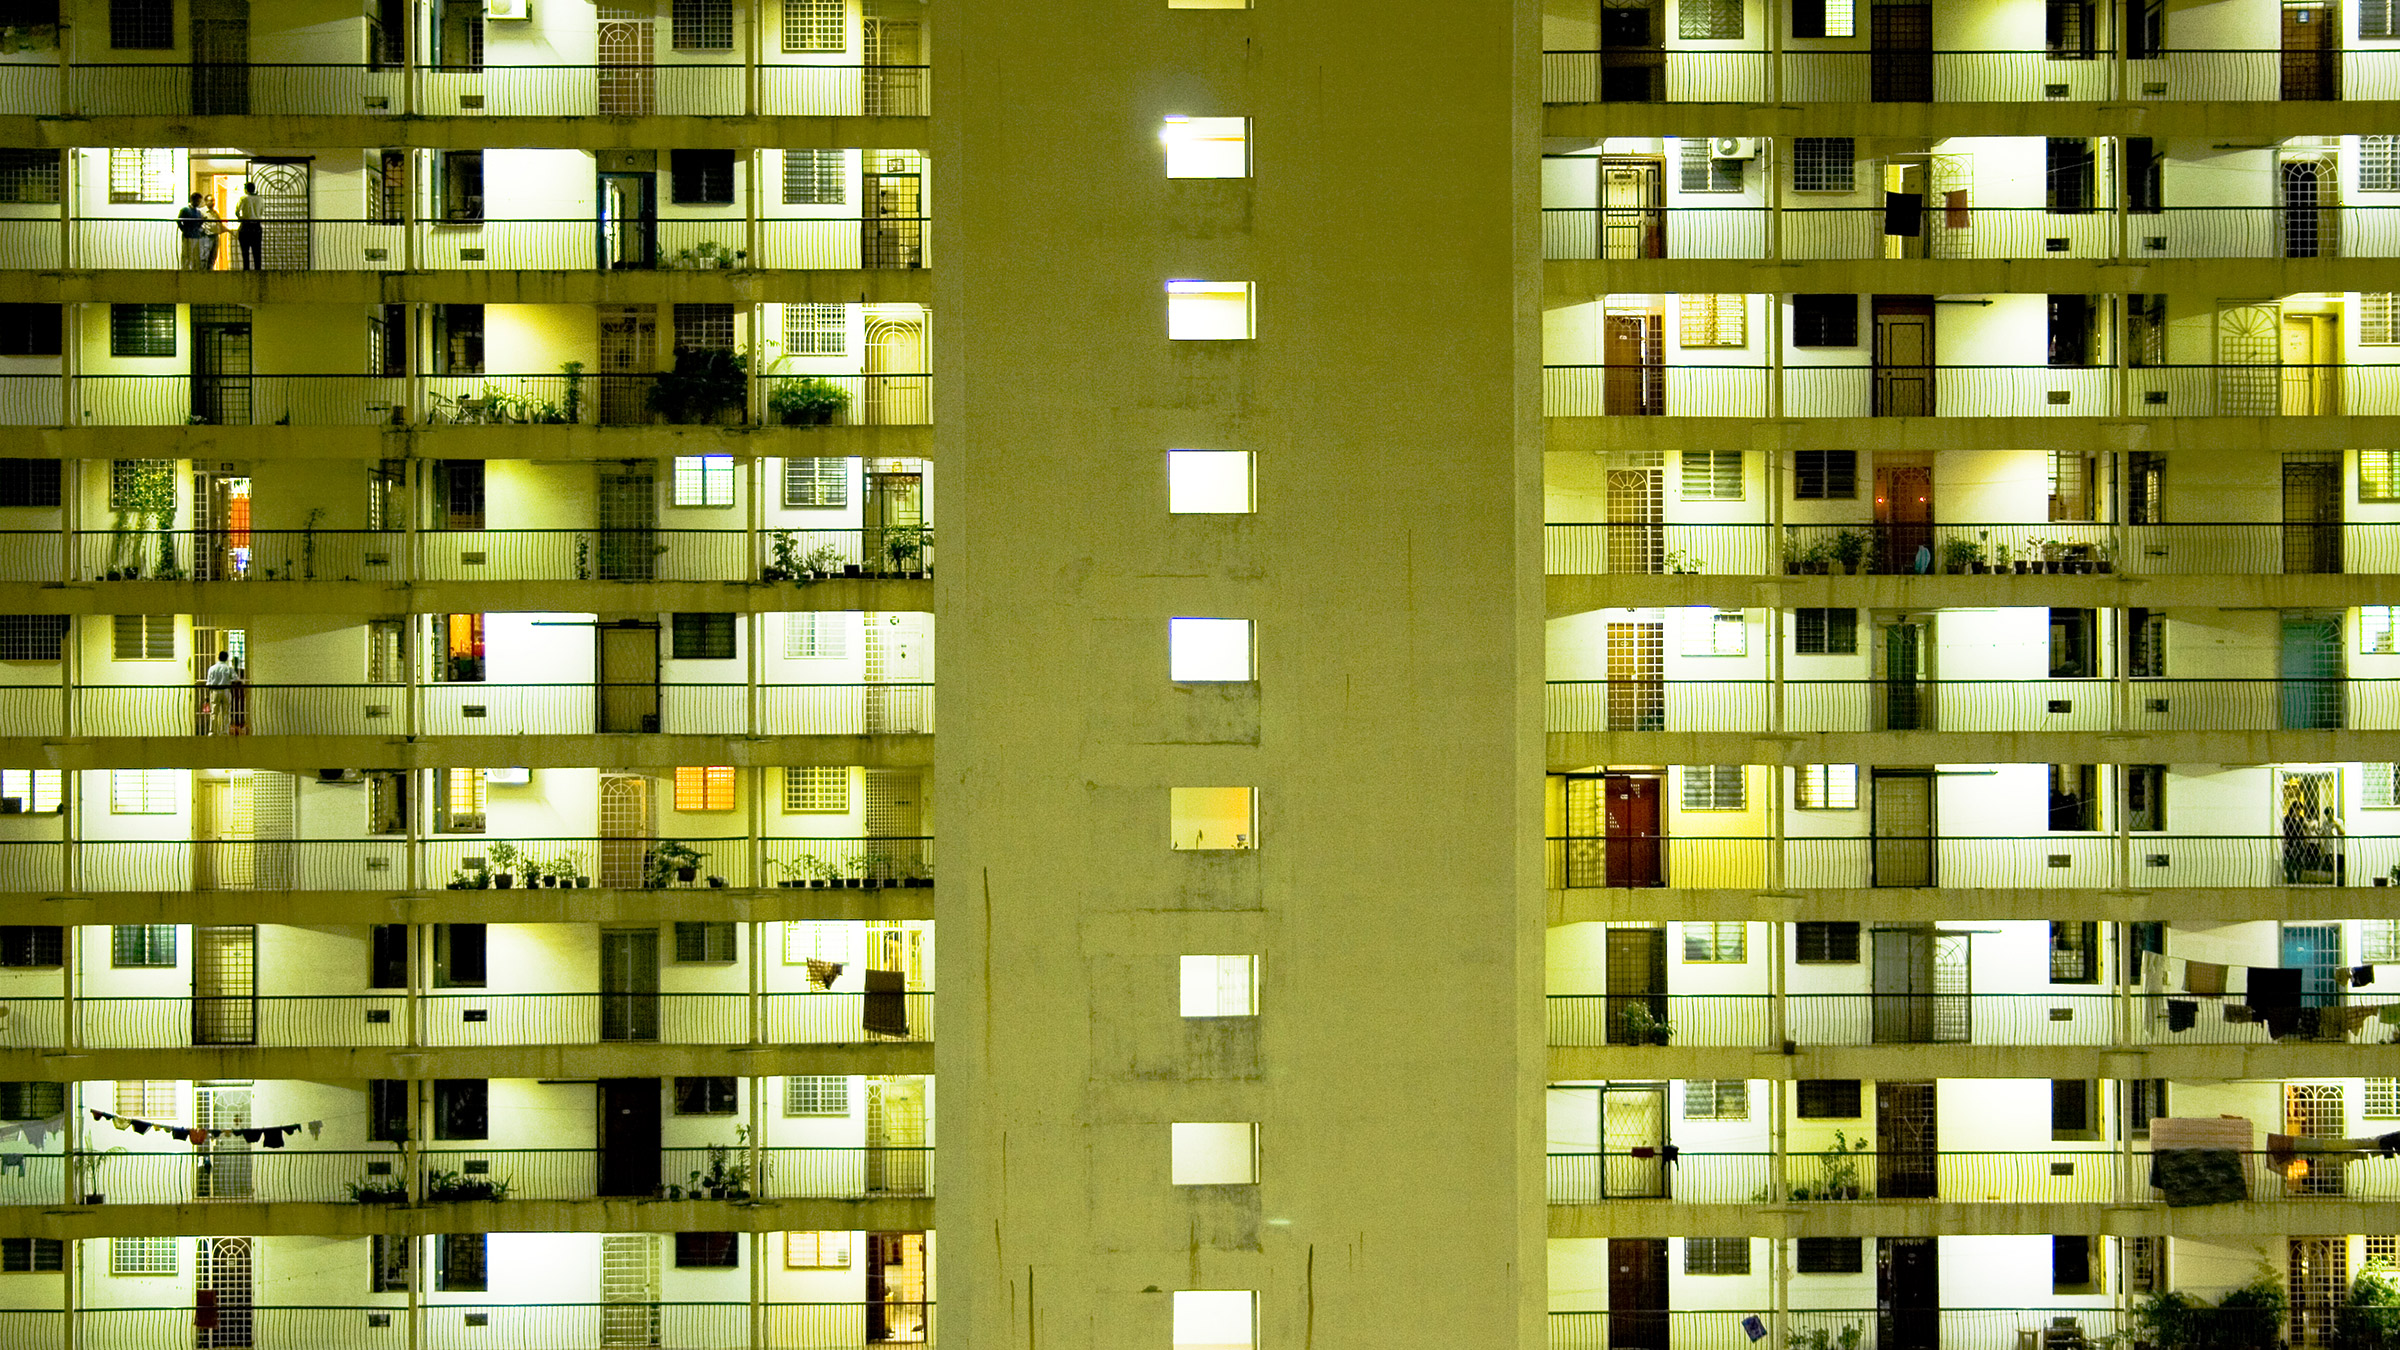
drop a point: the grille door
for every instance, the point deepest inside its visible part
(225, 985)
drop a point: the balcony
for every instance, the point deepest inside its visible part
(1810, 234)
(430, 402)
(2040, 548)
(1950, 76)
(2052, 1328)
(2048, 1019)
(448, 1322)
(629, 89)
(1981, 706)
(1968, 862)
(2091, 1176)
(1753, 392)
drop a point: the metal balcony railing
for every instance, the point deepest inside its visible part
(2094, 1176)
(1969, 862)
(2079, 75)
(1752, 391)
(433, 401)
(2013, 233)
(2062, 1327)
(2066, 548)
(452, 1321)
(2025, 705)
(391, 557)
(2049, 1018)
(118, 243)
(261, 89)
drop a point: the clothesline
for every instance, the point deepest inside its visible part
(197, 1135)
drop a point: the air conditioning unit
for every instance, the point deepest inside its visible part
(508, 9)
(1733, 147)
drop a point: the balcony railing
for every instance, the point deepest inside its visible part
(34, 243)
(2065, 1327)
(1967, 862)
(473, 1018)
(433, 401)
(447, 1322)
(1749, 391)
(2083, 75)
(2095, 1176)
(2054, 704)
(724, 89)
(392, 557)
(2067, 548)
(1758, 233)
(1747, 1021)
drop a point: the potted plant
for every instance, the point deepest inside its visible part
(905, 545)
(385, 1191)
(448, 1187)
(1838, 1177)
(1849, 548)
(872, 867)
(670, 858)
(707, 383)
(1960, 556)
(807, 402)
(1647, 1027)
(1679, 563)
(503, 859)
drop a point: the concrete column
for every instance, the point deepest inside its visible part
(1392, 570)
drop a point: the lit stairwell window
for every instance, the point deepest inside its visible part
(1210, 311)
(1206, 147)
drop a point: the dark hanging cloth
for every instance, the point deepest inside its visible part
(2182, 1014)
(2240, 1012)
(1904, 214)
(886, 1006)
(141, 1127)
(274, 1139)
(2287, 1022)
(2198, 1176)
(2361, 976)
(2274, 987)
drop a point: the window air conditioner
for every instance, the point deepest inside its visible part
(1733, 147)
(507, 9)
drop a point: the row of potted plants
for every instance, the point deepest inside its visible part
(1849, 552)
(672, 862)
(903, 545)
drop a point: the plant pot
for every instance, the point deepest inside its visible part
(918, 881)
(686, 873)
(788, 885)
(504, 880)
(12, 806)
(582, 883)
(2383, 881)
(736, 1193)
(849, 883)
(716, 883)
(850, 569)
(95, 1198)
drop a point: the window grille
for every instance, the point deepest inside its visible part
(1725, 943)
(2067, 29)
(703, 480)
(144, 1255)
(815, 636)
(2379, 940)
(2380, 1100)
(1824, 164)
(1716, 1256)
(2071, 175)
(706, 327)
(710, 1251)
(2378, 19)
(2379, 319)
(141, 175)
(815, 789)
(387, 1262)
(387, 186)
(815, 330)
(1716, 1099)
(1828, 1099)
(816, 483)
(1825, 475)
(1825, 787)
(141, 25)
(30, 946)
(816, 1095)
(142, 792)
(462, 339)
(1719, 632)
(2379, 163)
(1714, 321)
(1698, 170)
(703, 637)
(703, 25)
(462, 1267)
(814, 177)
(148, 1098)
(705, 1097)
(2379, 475)
(703, 943)
(701, 177)
(141, 330)
(1825, 943)
(462, 186)
(29, 176)
(32, 1101)
(1713, 787)
(462, 795)
(1825, 632)
(1708, 20)
(1825, 321)
(1829, 1256)
(708, 788)
(1712, 475)
(815, 26)
(33, 330)
(805, 941)
(2146, 631)
(816, 1251)
(2074, 952)
(34, 637)
(19, 1255)
(142, 944)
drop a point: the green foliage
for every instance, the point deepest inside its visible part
(2248, 1318)
(807, 402)
(379, 1191)
(2371, 1319)
(665, 859)
(704, 382)
(448, 1187)
(1825, 1338)
(905, 544)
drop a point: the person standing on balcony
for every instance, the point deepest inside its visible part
(221, 679)
(249, 230)
(199, 231)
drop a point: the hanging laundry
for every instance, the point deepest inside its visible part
(2240, 1012)
(2203, 977)
(316, 1128)
(274, 1139)
(2361, 976)
(199, 1136)
(2182, 1014)
(12, 1162)
(2198, 1160)
(885, 1010)
(141, 1127)
(2274, 987)
(2388, 1014)
(822, 974)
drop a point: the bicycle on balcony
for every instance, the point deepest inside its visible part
(481, 410)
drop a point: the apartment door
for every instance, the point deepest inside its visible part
(629, 1284)
(1904, 356)
(284, 209)
(221, 365)
(1637, 535)
(221, 545)
(893, 513)
(627, 221)
(2318, 1274)
(1635, 837)
(628, 701)
(1633, 66)
(274, 820)
(1637, 672)
(624, 830)
(896, 393)
(628, 83)
(221, 829)
(628, 542)
(2312, 514)
(2311, 208)
(629, 987)
(628, 362)
(2314, 1111)
(1633, 356)
(1901, 62)
(895, 669)
(629, 1127)
(222, 1292)
(1907, 698)
(2311, 666)
(895, 811)
(892, 211)
(1904, 215)
(2312, 374)
(1632, 193)
(894, 52)
(2305, 800)
(2249, 352)
(2315, 950)
(224, 985)
(220, 58)
(897, 1159)
(1903, 821)
(1905, 1144)
(2312, 53)
(896, 1298)
(223, 1165)
(1637, 1294)
(1904, 516)
(1908, 1303)
(1920, 987)
(1637, 979)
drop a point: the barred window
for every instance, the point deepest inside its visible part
(2381, 785)
(1699, 170)
(131, 479)
(460, 795)
(1824, 19)
(32, 637)
(2375, 629)
(1825, 632)
(21, 1255)
(33, 330)
(701, 177)
(705, 1097)
(30, 946)
(141, 330)
(1825, 321)
(142, 792)
(1708, 21)
(1824, 164)
(137, 945)
(1716, 1256)
(815, 789)
(2379, 319)
(828, 1250)
(141, 25)
(703, 25)
(703, 480)
(704, 943)
(816, 1095)
(2379, 940)
(1828, 1099)
(1712, 475)
(141, 175)
(1821, 942)
(805, 941)
(707, 1251)
(1720, 632)
(815, 26)
(2379, 163)
(1716, 1099)
(143, 1255)
(703, 637)
(1713, 787)
(1714, 321)
(149, 1098)
(1825, 787)
(815, 330)
(461, 1263)
(704, 788)
(29, 176)
(704, 327)
(815, 636)
(2074, 952)
(1825, 475)
(813, 177)
(2381, 1099)
(2379, 475)
(1829, 1255)
(1726, 943)
(816, 482)
(32, 1101)
(2378, 19)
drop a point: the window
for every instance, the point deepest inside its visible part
(1709, 21)
(705, 1097)
(387, 193)
(143, 1255)
(2071, 1270)
(2379, 319)
(815, 330)
(32, 637)
(814, 178)
(2074, 655)
(1828, 1098)
(1699, 170)
(143, 792)
(1206, 147)
(2145, 797)
(461, 796)
(804, 942)
(816, 1251)
(1212, 1153)
(1823, 19)
(1209, 482)
(1725, 943)
(1824, 632)
(33, 330)
(1825, 787)
(816, 1095)
(458, 955)
(458, 36)
(21, 1255)
(1713, 787)
(1822, 942)
(1219, 986)
(1212, 818)
(387, 1264)
(702, 637)
(704, 328)
(1825, 321)
(143, 637)
(387, 1110)
(2378, 19)
(703, 943)
(32, 1101)
(701, 177)
(2074, 952)
(2381, 1099)
(708, 788)
(141, 330)
(387, 801)
(2071, 1114)
(2074, 796)
(703, 480)
(462, 1108)
(2379, 162)
(141, 175)
(2145, 176)
(2379, 475)
(461, 179)
(32, 945)
(2144, 1100)
(707, 1251)
(387, 956)
(459, 496)
(703, 25)
(1829, 1256)
(1824, 163)
(2146, 1261)
(2067, 29)
(2074, 343)
(1209, 311)
(2380, 784)
(29, 176)
(2069, 175)
(141, 25)
(815, 635)
(1715, 321)
(148, 1098)
(1216, 1319)
(1825, 475)
(816, 788)
(1716, 1099)
(2145, 643)
(1712, 475)
(814, 26)
(1209, 651)
(142, 944)
(1716, 1256)
(1716, 632)
(460, 1265)
(816, 482)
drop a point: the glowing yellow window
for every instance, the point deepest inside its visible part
(704, 789)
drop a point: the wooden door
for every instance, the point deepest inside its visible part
(2312, 54)
(1903, 356)
(1906, 1147)
(1903, 824)
(629, 985)
(2312, 516)
(1637, 1294)
(1901, 61)
(1632, 191)
(1637, 978)
(222, 859)
(1903, 516)
(1908, 1302)
(1635, 377)
(224, 985)
(1634, 836)
(629, 1135)
(628, 692)
(2311, 346)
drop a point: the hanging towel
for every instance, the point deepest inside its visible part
(822, 974)
(2182, 1014)
(2197, 1160)
(1904, 214)
(204, 1309)
(2203, 977)
(2274, 987)
(2361, 976)
(2240, 1012)
(886, 1006)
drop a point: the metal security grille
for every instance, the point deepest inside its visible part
(2379, 319)
(816, 788)
(1636, 511)
(222, 1280)
(2320, 1284)
(1702, 171)
(2379, 163)
(1708, 20)
(2249, 359)
(2314, 1111)
(132, 945)
(32, 637)
(816, 482)
(815, 26)
(629, 1290)
(1714, 321)
(816, 1095)
(624, 830)
(1716, 1256)
(815, 636)
(283, 212)
(1716, 1099)
(30, 176)
(1713, 787)
(628, 527)
(141, 175)
(704, 480)
(1824, 164)
(815, 330)
(628, 81)
(141, 330)
(224, 985)
(703, 25)
(1825, 632)
(141, 25)
(224, 1168)
(705, 327)
(274, 820)
(144, 1256)
(813, 177)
